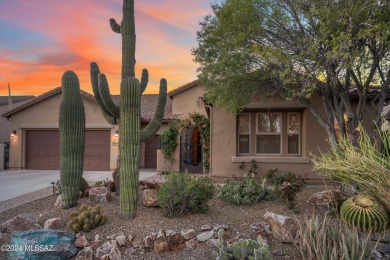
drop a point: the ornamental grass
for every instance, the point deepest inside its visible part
(366, 165)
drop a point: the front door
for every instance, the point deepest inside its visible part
(190, 150)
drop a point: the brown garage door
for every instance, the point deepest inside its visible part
(151, 148)
(43, 150)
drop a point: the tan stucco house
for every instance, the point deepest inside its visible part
(273, 132)
(35, 145)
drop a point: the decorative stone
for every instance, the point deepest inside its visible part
(202, 237)
(95, 244)
(103, 250)
(115, 254)
(174, 240)
(160, 244)
(137, 242)
(53, 223)
(326, 201)
(283, 228)
(114, 243)
(21, 222)
(212, 242)
(58, 203)
(278, 252)
(219, 226)
(149, 242)
(81, 241)
(52, 244)
(260, 229)
(130, 238)
(97, 237)
(188, 234)
(205, 228)
(85, 254)
(149, 197)
(153, 182)
(122, 240)
(99, 194)
(192, 243)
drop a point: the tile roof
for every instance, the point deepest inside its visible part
(148, 104)
(183, 88)
(15, 99)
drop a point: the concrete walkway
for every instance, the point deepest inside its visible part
(18, 187)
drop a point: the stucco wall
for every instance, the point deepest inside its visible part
(45, 115)
(225, 161)
(189, 101)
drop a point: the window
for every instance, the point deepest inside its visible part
(293, 133)
(244, 129)
(268, 139)
(272, 133)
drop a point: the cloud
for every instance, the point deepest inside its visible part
(46, 38)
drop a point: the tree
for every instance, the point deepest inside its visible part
(127, 115)
(339, 49)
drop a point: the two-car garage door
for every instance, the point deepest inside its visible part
(43, 150)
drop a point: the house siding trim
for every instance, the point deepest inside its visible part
(298, 160)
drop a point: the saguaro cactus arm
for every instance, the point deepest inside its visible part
(106, 96)
(144, 80)
(115, 26)
(95, 71)
(151, 129)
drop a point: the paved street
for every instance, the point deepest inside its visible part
(21, 186)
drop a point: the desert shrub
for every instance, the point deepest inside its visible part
(101, 183)
(169, 139)
(242, 192)
(183, 194)
(242, 249)
(252, 170)
(366, 165)
(287, 186)
(329, 239)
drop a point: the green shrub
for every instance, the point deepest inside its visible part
(242, 192)
(169, 139)
(328, 239)
(183, 194)
(365, 165)
(242, 249)
(287, 186)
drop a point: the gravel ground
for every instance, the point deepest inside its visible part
(148, 220)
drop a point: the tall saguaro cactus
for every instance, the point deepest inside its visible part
(72, 138)
(127, 115)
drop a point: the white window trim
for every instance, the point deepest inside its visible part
(279, 134)
(299, 133)
(249, 134)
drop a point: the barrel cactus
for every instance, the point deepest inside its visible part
(86, 219)
(127, 116)
(72, 136)
(365, 212)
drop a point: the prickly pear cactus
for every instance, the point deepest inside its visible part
(127, 116)
(72, 136)
(242, 249)
(365, 212)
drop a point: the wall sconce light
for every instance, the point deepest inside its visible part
(13, 133)
(116, 133)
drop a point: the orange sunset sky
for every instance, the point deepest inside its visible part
(41, 39)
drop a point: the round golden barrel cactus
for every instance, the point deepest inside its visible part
(365, 212)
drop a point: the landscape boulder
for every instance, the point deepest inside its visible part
(327, 201)
(20, 222)
(283, 228)
(154, 182)
(42, 244)
(85, 254)
(100, 195)
(53, 223)
(203, 237)
(149, 197)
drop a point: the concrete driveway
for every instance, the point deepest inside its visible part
(22, 186)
